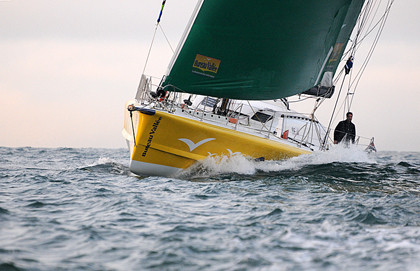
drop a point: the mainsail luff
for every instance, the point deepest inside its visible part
(269, 50)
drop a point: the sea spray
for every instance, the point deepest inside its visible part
(214, 165)
(240, 164)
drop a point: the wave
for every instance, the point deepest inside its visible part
(242, 165)
(107, 165)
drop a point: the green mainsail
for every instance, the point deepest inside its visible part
(260, 50)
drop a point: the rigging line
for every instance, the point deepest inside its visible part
(374, 15)
(150, 48)
(341, 106)
(154, 34)
(369, 13)
(376, 25)
(381, 23)
(366, 17)
(300, 100)
(332, 115)
(338, 76)
(305, 98)
(362, 21)
(317, 104)
(166, 38)
(347, 98)
(375, 42)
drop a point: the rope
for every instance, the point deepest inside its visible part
(150, 49)
(332, 115)
(166, 39)
(154, 35)
(376, 40)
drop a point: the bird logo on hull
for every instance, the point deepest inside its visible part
(193, 145)
(233, 153)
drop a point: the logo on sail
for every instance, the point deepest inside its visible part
(338, 47)
(206, 66)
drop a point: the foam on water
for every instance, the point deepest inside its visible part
(242, 165)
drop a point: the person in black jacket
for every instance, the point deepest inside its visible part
(345, 129)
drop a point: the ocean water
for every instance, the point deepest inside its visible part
(81, 209)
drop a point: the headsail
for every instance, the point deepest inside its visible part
(265, 50)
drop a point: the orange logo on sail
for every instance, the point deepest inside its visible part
(207, 65)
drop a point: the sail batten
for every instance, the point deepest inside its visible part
(270, 50)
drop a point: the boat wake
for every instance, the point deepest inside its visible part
(238, 164)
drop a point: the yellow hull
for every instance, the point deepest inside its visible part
(167, 144)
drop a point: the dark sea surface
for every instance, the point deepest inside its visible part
(81, 209)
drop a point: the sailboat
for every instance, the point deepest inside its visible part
(227, 88)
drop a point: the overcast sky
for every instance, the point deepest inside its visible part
(68, 67)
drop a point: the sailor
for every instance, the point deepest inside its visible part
(345, 129)
(349, 65)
